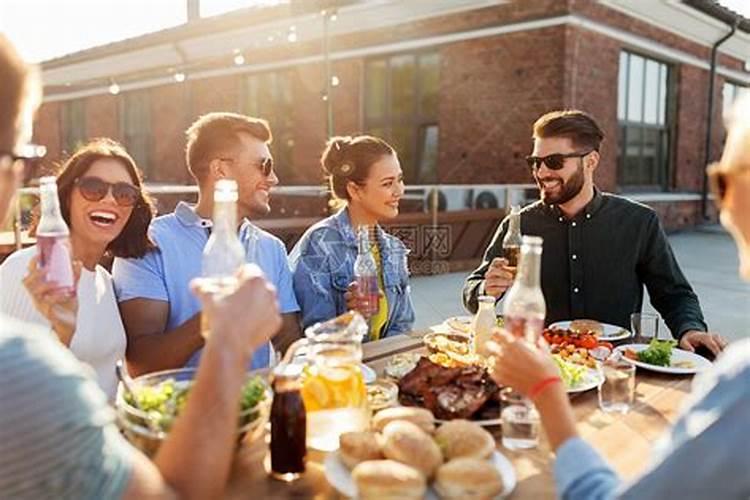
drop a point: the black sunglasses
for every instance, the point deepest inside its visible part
(95, 189)
(265, 165)
(554, 161)
(717, 180)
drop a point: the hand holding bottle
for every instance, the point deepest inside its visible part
(245, 318)
(57, 305)
(498, 278)
(366, 305)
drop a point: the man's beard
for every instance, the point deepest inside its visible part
(568, 190)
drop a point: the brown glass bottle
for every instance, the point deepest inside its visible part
(512, 240)
(288, 424)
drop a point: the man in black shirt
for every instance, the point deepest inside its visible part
(599, 249)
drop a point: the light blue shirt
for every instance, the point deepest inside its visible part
(166, 274)
(706, 454)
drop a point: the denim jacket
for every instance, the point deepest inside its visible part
(322, 264)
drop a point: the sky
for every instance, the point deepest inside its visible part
(44, 29)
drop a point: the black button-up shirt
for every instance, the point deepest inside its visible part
(595, 265)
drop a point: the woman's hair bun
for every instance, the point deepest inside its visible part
(335, 157)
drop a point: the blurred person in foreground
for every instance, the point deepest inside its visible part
(58, 438)
(103, 204)
(705, 454)
(365, 176)
(162, 317)
(599, 249)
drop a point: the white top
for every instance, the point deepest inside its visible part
(99, 339)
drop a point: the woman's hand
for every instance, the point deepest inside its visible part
(246, 318)
(518, 364)
(355, 301)
(60, 309)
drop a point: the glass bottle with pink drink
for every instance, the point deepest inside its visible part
(366, 274)
(53, 239)
(524, 307)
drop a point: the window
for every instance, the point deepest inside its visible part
(730, 93)
(270, 96)
(644, 92)
(73, 125)
(401, 106)
(136, 127)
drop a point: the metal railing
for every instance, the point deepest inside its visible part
(452, 196)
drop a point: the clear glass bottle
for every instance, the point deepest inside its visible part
(223, 254)
(512, 239)
(524, 308)
(53, 239)
(484, 323)
(366, 274)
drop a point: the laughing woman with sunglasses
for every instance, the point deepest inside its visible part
(102, 202)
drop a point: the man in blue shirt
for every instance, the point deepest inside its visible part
(160, 314)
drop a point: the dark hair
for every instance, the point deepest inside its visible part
(20, 88)
(576, 125)
(349, 159)
(133, 241)
(213, 133)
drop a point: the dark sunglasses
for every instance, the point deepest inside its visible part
(265, 165)
(717, 179)
(95, 189)
(554, 161)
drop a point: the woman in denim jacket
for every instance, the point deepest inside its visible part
(365, 174)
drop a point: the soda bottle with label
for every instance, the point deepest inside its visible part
(53, 240)
(223, 254)
(484, 323)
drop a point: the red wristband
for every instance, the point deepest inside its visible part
(541, 385)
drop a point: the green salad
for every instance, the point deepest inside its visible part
(659, 352)
(571, 373)
(164, 401)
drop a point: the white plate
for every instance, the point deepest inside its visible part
(368, 374)
(459, 324)
(591, 380)
(340, 476)
(611, 332)
(699, 362)
(488, 422)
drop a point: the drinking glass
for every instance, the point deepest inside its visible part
(520, 421)
(645, 327)
(617, 390)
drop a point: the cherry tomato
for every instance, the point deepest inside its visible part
(588, 342)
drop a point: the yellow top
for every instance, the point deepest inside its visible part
(378, 321)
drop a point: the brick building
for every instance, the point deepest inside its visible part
(454, 84)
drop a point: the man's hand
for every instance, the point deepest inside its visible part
(60, 309)
(498, 278)
(693, 338)
(518, 364)
(246, 318)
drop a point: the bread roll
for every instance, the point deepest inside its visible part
(356, 447)
(468, 479)
(461, 438)
(404, 442)
(587, 326)
(418, 416)
(388, 480)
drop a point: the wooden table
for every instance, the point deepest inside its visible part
(625, 440)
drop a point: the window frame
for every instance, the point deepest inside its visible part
(417, 121)
(661, 177)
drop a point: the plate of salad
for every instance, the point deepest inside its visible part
(577, 377)
(662, 356)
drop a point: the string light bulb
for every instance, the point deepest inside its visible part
(239, 60)
(114, 89)
(335, 82)
(179, 77)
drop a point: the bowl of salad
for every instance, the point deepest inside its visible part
(160, 397)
